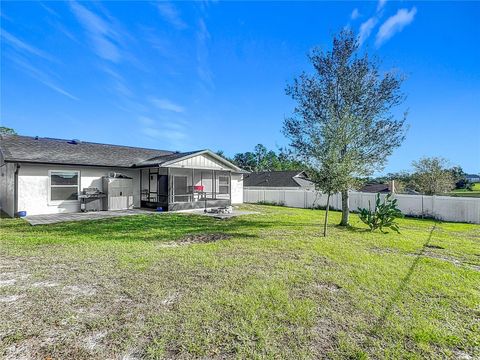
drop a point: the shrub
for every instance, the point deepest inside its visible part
(383, 216)
(272, 203)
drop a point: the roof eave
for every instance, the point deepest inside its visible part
(201, 152)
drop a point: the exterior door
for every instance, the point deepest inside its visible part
(162, 188)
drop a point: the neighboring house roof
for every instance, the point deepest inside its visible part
(375, 188)
(295, 179)
(16, 148)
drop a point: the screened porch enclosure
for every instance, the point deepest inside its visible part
(182, 188)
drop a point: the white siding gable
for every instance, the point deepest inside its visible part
(202, 161)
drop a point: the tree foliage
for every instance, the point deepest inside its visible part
(383, 216)
(7, 131)
(343, 117)
(431, 176)
(262, 159)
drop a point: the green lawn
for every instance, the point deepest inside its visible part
(258, 286)
(475, 192)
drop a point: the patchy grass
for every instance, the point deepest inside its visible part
(258, 286)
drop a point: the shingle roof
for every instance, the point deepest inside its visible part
(277, 179)
(58, 151)
(375, 188)
(165, 158)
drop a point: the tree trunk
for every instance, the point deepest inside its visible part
(326, 216)
(345, 209)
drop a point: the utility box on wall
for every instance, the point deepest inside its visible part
(119, 191)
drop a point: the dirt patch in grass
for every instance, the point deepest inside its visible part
(203, 238)
(197, 239)
(383, 250)
(330, 287)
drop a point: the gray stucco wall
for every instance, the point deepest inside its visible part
(7, 184)
(33, 186)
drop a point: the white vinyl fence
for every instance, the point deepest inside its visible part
(447, 208)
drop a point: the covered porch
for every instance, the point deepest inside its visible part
(173, 189)
(202, 180)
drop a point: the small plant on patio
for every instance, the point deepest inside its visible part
(383, 216)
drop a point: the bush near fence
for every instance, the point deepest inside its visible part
(446, 208)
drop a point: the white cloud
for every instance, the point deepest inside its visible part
(366, 29)
(395, 24)
(23, 46)
(355, 14)
(203, 68)
(170, 14)
(165, 104)
(101, 33)
(170, 133)
(381, 4)
(41, 76)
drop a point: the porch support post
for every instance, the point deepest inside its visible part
(170, 185)
(230, 186)
(193, 184)
(214, 186)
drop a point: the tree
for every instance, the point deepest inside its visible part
(459, 176)
(7, 131)
(262, 159)
(328, 177)
(431, 176)
(246, 161)
(345, 106)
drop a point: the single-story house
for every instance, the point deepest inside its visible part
(473, 178)
(375, 188)
(289, 180)
(44, 176)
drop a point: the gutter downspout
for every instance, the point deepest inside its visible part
(15, 190)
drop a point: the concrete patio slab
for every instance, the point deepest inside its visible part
(82, 216)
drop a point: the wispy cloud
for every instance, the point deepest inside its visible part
(366, 29)
(49, 9)
(203, 68)
(381, 4)
(367, 26)
(172, 133)
(165, 104)
(395, 24)
(23, 46)
(170, 13)
(355, 14)
(104, 38)
(41, 76)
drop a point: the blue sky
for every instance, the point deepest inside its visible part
(193, 75)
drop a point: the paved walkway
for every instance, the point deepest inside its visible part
(81, 216)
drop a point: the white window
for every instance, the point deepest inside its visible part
(223, 185)
(64, 185)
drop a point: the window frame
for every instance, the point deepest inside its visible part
(58, 202)
(227, 184)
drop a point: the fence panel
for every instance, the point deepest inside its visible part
(439, 207)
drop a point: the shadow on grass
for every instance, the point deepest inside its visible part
(352, 228)
(401, 288)
(164, 227)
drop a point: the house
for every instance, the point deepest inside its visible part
(278, 179)
(472, 178)
(375, 188)
(44, 176)
(379, 188)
